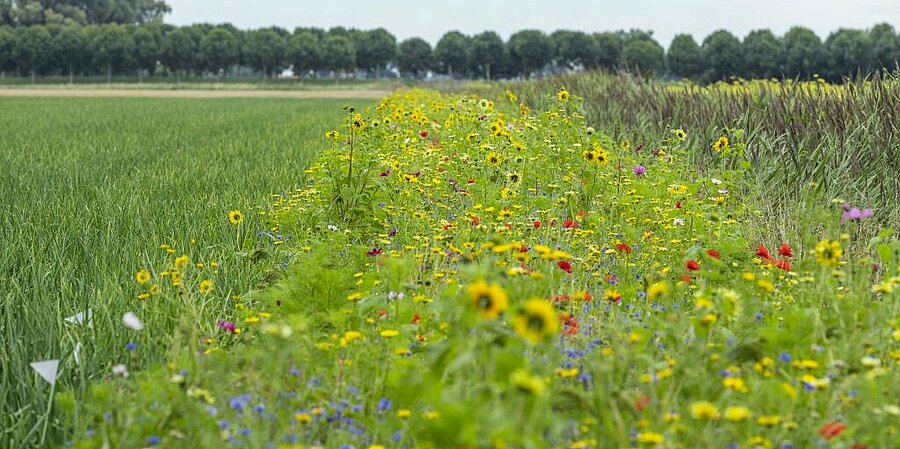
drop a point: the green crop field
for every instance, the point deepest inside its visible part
(90, 189)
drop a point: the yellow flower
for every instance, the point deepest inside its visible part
(649, 438)
(489, 299)
(182, 261)
(206, 285)
(403, 413)
(736, 384)
(527, 383)
(828, 252)
(536, 321)
(768, 420)
(721, 144)
(562, 95)
(704, 410)
(737, 413)
(235, 217)
(142, 277)
(389, 333)
(657, 290)
(493, 158)
(680, 134)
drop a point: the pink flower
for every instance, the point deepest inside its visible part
(639, 170)
(227, 326)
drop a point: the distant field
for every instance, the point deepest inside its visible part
(205, 83)
(159, 92)
(89, 190)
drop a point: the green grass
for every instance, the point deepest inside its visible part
(89, 190)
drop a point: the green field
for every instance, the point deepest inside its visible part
(90, 189)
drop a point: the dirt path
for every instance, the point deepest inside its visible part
(151, 93)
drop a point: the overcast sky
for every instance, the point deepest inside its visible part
(430, 19)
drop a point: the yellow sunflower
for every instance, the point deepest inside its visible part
(563, 95)
(489, 299)
(235, 217)
(205, 286)
(536, 320)
(829, 252)
(721, 144)
(142, 277)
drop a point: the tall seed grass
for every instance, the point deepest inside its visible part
(89, 189)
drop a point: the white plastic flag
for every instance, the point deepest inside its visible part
(77, 353)
(47, 369)
(86, 317)
(131, 321)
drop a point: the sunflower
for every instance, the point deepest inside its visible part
(205, 286)
(142, 277)
(589, 156)
(536, 320)
(828, 252)
(235, 217)
(527, 383)
(680, 134)
(489, 299)
(497, 127)
(494, 158)
(358, 122)
(563, 95)
(721, 144)
(602, 156)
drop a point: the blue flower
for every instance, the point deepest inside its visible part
(384, 404)
(153, 440)
(131, 346)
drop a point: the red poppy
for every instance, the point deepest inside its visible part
(686, 278)
(641, 402)
(560, 298)
(623, 248)
(763, 252)
(536, 224)
(475, 221)
(568, 224)
(832, 429)
(564, 265)
(784, 264)
(570, 324)
(423, 133)
(470, 181)
(587, 296)
(678, 204)
(415, 319)
(374, 252)
(381, 313)
(523, 249)
(713, 253)
(785, 250)
(692, 265)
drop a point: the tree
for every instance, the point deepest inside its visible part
(644, 55)
(530, 50)
(219, 49)
(177, 51)
(32, 50)
(574, 49)
(375, 49)
(723, 54)
(763, 55)
(111, 47)
(885, 46)
(609, 50)
(685, 58)
(415, 57)
(338, 52)
(265, 50)
(803, 53)
(146, 50)
(849, 52)
(7, 50)
(487, 52)
(71, 12)
(69, 49)
(452, 51)
(304, 51)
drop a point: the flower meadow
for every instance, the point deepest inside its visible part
(465, 272)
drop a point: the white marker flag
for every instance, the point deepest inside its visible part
(131, 321)
(77, 353)
(82, 317)
(47, 369)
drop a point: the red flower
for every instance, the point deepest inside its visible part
(641, 403)
(832, 429)
(423, 133)
(763, 252)
(560, 298)
(686, 278)
(623, 247)
(536, 224)
(523, 249)
(712, 253)
(381, 313)
(568, 224)
(415, 319)
(475, 221)
(374, 252)
(678, 204)
(570, 324)
(784, 264)
(692, 265)
(587, 296)
(785, 250)
(565, 266)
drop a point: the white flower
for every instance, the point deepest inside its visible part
(131, 321)
(716, 181)
(332, 227)
(120, 370)
(678, 222)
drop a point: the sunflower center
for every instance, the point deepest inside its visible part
(485, 302)
(535, 323)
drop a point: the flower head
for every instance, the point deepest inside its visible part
(489, 299)
(536, 320)
(235, 217)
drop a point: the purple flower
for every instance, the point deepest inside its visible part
(639, 170)
(854, 213)
(226, 326)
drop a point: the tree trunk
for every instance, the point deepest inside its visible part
(71, 76)
(108, 73)
(32, 76)
(450, 71)
(2, 74)
(140, 76)
(487, 72)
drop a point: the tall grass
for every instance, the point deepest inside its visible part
(89, 190)
(841, 141)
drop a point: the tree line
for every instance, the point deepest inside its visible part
(72, 48)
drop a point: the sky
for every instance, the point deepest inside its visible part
(431, 19)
